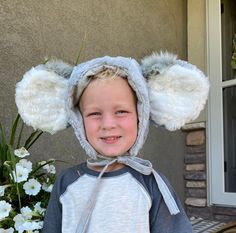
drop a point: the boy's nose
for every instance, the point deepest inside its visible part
(108, 122)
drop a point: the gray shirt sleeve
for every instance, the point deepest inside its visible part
(53, 216)
(160, 219)
(52, 219)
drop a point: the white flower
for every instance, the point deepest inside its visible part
(21, 153)
(21, 173)
(26, 164)
(23, 221)
(50, 168)
(19, 220)
(9, 230)
(5, 209)
(29, 226)
(22, 224)
(38, 208)
(32, 187)
(26, 212)
(2, 189)
(47, 187)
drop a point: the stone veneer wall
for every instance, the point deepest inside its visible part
(196, 178)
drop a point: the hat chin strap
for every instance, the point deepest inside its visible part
(138, 164)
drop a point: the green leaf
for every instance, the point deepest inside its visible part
(3, 145)
(80, 51)
(233, 64)
(11, 156)
(13, 130)
(3, 155)
(20, 135)
(46, 60)
(32, 138)
(8, 166)
(2, 135)
(35, 139)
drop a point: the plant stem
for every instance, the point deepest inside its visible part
(18, 194)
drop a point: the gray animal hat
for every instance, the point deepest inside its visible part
(170, 93)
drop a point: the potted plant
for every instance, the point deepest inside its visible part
(24, 186)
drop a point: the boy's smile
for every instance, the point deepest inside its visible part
(111, 139)
(108, 108)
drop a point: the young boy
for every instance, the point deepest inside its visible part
(110, 193)
(109, 104)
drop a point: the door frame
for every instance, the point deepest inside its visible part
(215, 140)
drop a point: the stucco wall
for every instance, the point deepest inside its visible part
(31, 30)
(196, 34)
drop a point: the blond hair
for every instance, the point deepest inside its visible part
(109, 72)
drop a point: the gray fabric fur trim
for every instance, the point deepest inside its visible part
(59, 67)
(78, 82)
(178, 90)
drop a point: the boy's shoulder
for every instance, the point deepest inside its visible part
(67, 177)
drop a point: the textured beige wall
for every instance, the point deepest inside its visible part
(196, 34)
(31, 30)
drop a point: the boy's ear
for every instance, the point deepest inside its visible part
(178, 90)
(40, 96)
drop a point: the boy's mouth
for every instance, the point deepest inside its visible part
(110, 139)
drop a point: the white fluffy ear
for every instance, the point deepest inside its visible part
(40, 96)
(178, 90)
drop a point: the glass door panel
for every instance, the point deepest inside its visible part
(228, 35)
(221, 116)
(228, 30)
(229, 116)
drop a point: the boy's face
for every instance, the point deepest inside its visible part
(110, 118)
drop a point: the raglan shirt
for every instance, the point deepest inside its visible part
(127, 202)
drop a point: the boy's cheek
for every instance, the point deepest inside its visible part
(90, 124)
(130, 122)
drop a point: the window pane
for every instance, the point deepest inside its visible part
(228, 26)
(229, 106)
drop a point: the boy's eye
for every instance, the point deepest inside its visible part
(94, 114)
(121, 112)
